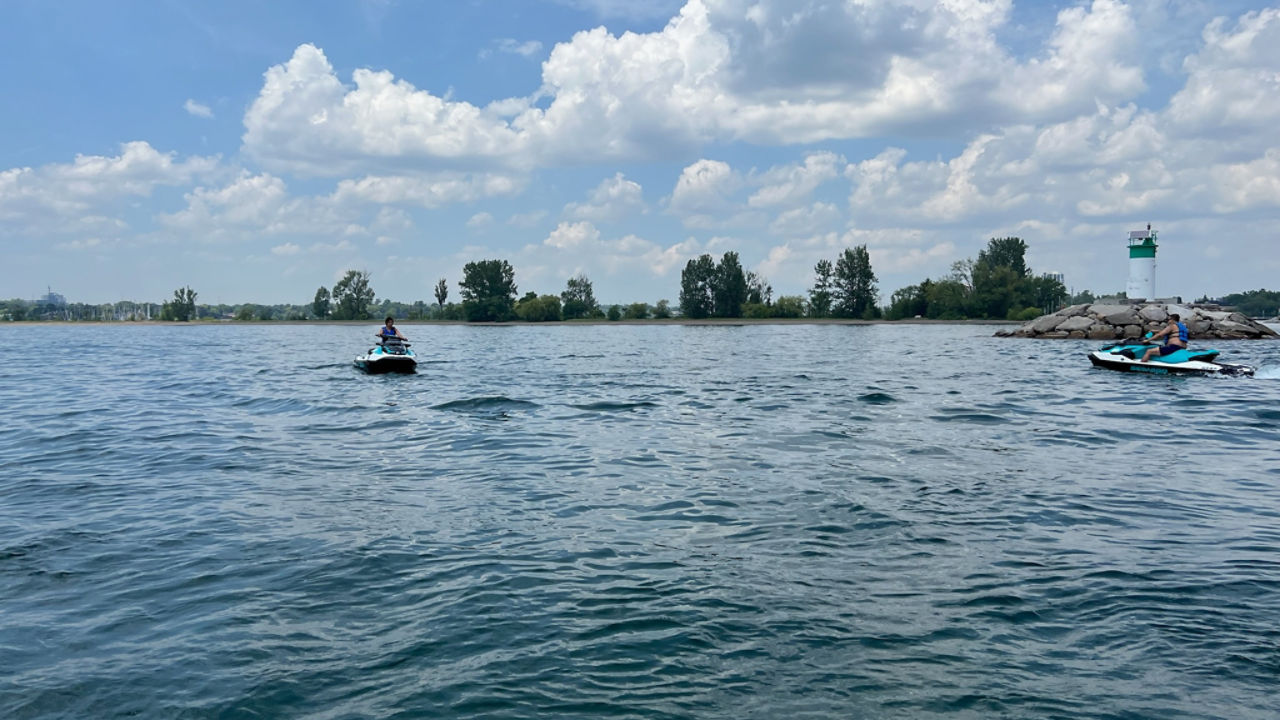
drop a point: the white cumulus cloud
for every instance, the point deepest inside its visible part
(612, 199)
(194, 108)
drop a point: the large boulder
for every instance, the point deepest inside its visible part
(1154, 313)
(1199, 326)
(1079, 322)
(1115, 314)
(1105, 321)
(1045, 323)
(1232, 326)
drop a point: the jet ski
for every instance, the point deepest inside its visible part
(390, 355)
(1126, 356)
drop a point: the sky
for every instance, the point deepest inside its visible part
(257, 151)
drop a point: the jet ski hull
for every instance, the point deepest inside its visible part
(389, 357)
(1122, 363)
(386, 364)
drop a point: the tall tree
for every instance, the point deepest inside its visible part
(320, 305)
(820, 294)
(759, 290)
(1000, 279)
(352, 296)
(1010, 252)
(997, 289)
(729, 289)
(855, 284)
(488, 290)
(962, 272)
(579, 299)
(1048, 294)
(442, 292)
(183, 307)
(696, 282)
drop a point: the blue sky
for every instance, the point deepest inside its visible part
(256, 151)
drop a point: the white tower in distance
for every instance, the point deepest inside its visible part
(1142, 264)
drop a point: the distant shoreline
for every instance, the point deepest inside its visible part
(558, 323)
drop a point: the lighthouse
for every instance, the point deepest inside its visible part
(1142, 264)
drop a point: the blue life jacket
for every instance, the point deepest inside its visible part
(388, 332)
(1183, 335)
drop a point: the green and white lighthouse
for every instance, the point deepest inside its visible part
(1142, 264)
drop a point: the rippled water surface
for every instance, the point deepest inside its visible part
(642, 521)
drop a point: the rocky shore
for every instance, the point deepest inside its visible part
(1100, 321)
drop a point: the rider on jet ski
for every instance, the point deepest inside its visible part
(389, 330)
(1178, 337)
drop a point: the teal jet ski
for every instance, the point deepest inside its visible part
(390, 355)
(1126, 356)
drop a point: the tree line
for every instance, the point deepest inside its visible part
(997, 284)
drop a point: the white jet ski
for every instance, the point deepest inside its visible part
(390, 355)
(1126, 356)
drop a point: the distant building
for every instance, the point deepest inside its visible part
(52, 298)
(1055, 276)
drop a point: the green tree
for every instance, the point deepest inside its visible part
(729, 289)
(820, 295)
(855, 288)
(320, 305)
(352, 296)
(662, 310)
(13, 310)
(1000, 279)
(533, 308)
(1048, 294)
(962, 272)
(183, 306)
(909, 302)
(488, 290)
(1254, 303)
(996, 289)
(579, 299)
(442, 292)
(614, 313)
(696, 282)
(1084, 297)
(946, 300)
(1010, 252)
(758, 289)
(636, 311)
(789, 306)
(245, 313)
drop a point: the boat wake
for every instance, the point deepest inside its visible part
(1267, 372)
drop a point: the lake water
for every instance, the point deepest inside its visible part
(631, 521)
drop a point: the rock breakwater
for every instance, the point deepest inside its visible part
(1098, 321)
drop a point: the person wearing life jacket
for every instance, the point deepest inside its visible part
(389, 330)
(1177, 334)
